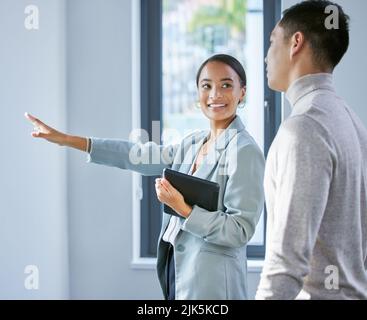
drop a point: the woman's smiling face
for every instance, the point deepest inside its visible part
(220, 91)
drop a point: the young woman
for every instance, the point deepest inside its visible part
(201, 254)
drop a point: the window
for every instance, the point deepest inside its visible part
(176, 37)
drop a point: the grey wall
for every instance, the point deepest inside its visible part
(33, 215)
(350, 75)
(99, 104)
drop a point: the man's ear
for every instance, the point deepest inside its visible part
(297, 43)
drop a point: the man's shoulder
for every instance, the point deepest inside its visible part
(322, 106)
(301, 125)
(303, 131)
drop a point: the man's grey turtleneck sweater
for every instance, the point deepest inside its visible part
(316, 197)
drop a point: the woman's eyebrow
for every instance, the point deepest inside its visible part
(209, 80)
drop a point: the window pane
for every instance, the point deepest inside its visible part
(194, 30)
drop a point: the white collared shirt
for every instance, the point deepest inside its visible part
(175, 223)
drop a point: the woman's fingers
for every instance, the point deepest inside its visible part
(165, 182)
(159, 190)
(30, 117)
(41, 130)
(38, 124)
(34, 120)
(159, 185)
(38, 134)
(167, 185)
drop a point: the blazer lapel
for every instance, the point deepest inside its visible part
(190, 150)
(216, 150)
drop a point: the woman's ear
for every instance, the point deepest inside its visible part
(243, 94)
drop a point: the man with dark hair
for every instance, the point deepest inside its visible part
(316, 176)
(328, 39)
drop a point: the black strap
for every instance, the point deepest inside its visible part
(171, 288)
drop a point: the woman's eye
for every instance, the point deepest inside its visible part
(205, 86)
(227, 85)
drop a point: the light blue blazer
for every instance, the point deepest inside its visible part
(210, 248)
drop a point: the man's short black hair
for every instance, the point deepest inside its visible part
(309, 17)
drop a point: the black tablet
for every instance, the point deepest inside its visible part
(201, 192)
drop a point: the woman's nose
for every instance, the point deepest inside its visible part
(215, 93)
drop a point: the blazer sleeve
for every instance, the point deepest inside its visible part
(243, 200)
(148, 159)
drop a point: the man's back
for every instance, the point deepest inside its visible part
(342, 237)
(316, 186)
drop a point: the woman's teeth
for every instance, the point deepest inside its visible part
(217, 105)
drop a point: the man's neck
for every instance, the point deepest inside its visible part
(299, 72)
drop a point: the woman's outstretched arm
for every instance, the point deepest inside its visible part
(148, 159)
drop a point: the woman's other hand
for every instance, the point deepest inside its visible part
(168, 195)
(42, 130)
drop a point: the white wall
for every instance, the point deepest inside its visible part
(33, 227)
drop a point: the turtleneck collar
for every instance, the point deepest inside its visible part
(307, 84)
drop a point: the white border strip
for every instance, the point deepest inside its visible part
(253, 266)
